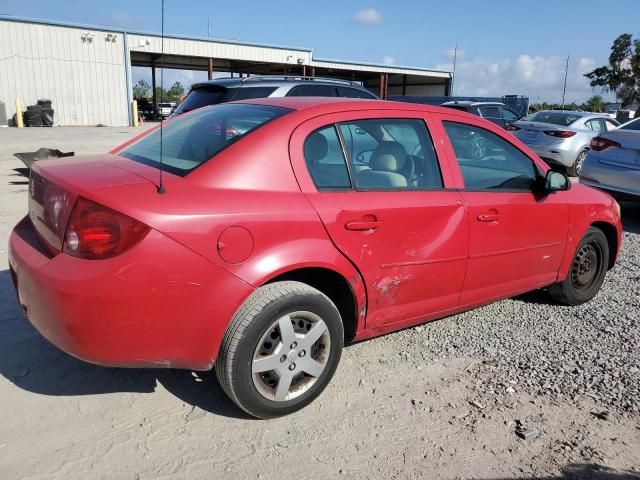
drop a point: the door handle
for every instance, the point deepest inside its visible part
(488, 217)
(363, 225)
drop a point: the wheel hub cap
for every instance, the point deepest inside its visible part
(291, 356)
(585, 266)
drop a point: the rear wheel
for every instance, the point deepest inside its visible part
(280, 350)
(576, 168)
(587, 272)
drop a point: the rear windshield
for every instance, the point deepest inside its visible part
(191, 140)
(204, 96)
(556, 118)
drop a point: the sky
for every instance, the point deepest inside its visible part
(503, 47)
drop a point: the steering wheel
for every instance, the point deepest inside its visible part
(409, 168)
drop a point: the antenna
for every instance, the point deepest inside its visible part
(453, 75)
(161, 189)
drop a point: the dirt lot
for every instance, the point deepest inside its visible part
(436, 401)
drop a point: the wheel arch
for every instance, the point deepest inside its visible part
(336, 286)
(611, 234)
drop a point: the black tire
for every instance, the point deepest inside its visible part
(35, 121)
(29, 115)
(47, 119)
(249, 327)
(575, 169)
(34, 108)
(44, 102)
(587, 271)
(50, 111)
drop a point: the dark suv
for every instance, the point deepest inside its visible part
(229, 89)
(495, 112)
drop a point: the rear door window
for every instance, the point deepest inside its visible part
(354, 93)
(312, 91)
(391, 154)
(490, 111)
(201, 97)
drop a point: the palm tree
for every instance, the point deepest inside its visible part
(595, 104)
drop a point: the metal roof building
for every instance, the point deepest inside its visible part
(86, 69)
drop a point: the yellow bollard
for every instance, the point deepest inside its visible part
(19, 122)
(134, 108)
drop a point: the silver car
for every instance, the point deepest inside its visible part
(613, 162)
(560, 137)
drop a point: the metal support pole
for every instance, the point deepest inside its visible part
(313, 71)
(404, 86)
(154, 97)
(210, 69)
(304, 70)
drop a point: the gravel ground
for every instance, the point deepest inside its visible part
(532, 344)
(442, 400)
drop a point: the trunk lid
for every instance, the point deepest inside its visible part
(532, 133)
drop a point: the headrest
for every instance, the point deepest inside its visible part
(316, 148)
(388, 157)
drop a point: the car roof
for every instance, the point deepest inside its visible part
(337, 104)
(469, 103)
(577, 113)
(275, 82)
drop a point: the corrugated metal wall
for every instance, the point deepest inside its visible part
(85, 80)
(215, 49)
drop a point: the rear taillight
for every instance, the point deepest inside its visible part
(559, 133)
(512, 128)
(49, 207)
(598, 144)
(96, 232)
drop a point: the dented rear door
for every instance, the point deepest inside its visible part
(410, 245)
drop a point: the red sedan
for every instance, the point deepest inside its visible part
(284, 228)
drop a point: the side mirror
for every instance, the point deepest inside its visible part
(556, 181)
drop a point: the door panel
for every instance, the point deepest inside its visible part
(517, 233)
(409, 245)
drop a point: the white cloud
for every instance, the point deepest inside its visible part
(539, 78)
(388, 60)
(368, 15)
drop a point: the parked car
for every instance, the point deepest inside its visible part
(613, 161)
(163, 110)
(495, 112)
(145, 108)
(561, 137)
(233, 89)
(265, 251)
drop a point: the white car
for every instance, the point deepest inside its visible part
(164, 109)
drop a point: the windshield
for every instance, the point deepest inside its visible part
(556, 118)
(191, 140)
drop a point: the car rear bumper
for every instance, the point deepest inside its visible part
(618, 180)
(553, 155)
(157, 305)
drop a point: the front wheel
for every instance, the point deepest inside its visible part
(281, 349)
(587, 272)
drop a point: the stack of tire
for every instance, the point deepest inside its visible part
(39, 115)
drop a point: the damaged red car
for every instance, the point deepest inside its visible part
(259, 237)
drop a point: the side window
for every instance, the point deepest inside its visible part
(633, 125)
(353, 93)
(325, 160)
(312, 91)
(487, 161)
(610, 124)
(594, 125)
(391, 154)
(490, 111)
(509, 115)
(246, 93)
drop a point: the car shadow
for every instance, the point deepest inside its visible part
(630, 216)
(33, 364)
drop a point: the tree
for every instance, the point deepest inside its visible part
(161, 95)
(622, 75)
(594, 104)
(175, 92)
(141, 90)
